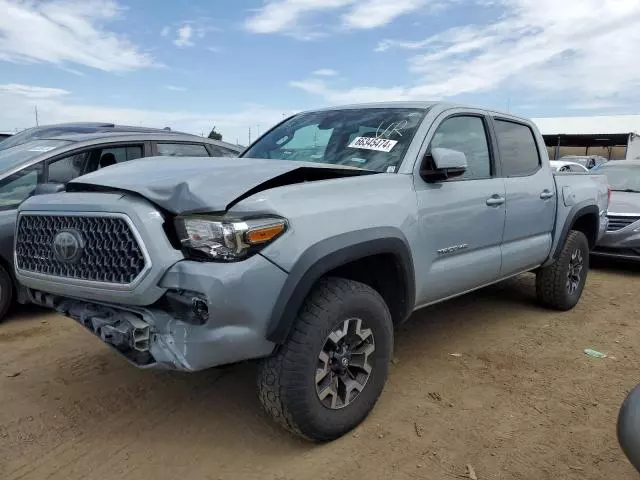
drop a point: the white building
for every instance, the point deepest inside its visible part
(615, 137)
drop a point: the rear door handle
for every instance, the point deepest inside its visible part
(546, 194)
(495, 200)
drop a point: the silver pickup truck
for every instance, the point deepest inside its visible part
(332, 229)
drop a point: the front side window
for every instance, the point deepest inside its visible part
(369, 138)
(113, 155)
(19, 186)
(63, 170)
(467, 135)
(182, 150)
(518, 149)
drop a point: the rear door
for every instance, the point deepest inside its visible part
(530, 196)
(461, 219)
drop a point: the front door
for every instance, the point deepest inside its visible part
(462, 218)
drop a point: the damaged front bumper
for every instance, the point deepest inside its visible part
(178, 314)
(211, 314)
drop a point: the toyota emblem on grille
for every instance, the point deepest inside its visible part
(68, 246)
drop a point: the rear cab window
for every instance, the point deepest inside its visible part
(518, 148)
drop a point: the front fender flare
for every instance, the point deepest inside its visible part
(329, 254)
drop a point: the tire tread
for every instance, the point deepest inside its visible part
(281, 390)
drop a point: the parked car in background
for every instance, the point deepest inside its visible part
(60, 159)
(5, 135)
(588, 161)
(335, 226)
(622, 239)
(562, 166)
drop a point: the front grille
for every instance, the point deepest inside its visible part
(617, 222)
(110, 252)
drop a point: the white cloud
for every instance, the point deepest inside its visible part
(361, 94)
(185, 32)
(165, 31)
(325, 72)
(31, 92)
(66, 32)
(288, 16)
(57, 105)
(376, 13)
(575, 50)
(175, 88)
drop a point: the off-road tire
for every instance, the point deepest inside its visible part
(6, 292)
(551, 281)
(286, 380)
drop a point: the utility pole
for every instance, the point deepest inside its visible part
(249, 135)
(36, 110)
(258, 131)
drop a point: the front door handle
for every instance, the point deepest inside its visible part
(495, 200)
(546, 194)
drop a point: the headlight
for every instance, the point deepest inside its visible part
(227, 240)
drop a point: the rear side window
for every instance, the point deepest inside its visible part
(182, 150)
(222, 152)
(518, 149)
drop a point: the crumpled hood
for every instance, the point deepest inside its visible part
(624, 202)
(188, 185)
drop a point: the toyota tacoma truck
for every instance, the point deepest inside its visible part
(306, 252)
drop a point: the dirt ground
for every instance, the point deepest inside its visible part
(521, 402)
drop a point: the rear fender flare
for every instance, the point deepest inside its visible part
(578, 210)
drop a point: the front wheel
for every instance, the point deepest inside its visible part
(560, 285)
(328, 376)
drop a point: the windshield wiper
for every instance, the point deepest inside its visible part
(627, 190)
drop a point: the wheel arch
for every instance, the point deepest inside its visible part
(583, 218)
(348, 255)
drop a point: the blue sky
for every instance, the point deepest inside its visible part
(245, 63)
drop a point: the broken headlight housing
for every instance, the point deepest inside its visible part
(226, 240)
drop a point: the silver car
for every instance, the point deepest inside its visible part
(622, 239)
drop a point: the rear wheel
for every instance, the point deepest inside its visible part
(560, 285)
(6, 292)
(330, 373)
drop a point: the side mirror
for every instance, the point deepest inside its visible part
(442, 163)
(47, 188)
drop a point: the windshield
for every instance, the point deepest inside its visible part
(36, 133)
(21, 153)
(622, 177)
(369, 138)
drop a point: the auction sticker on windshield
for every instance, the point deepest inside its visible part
(369, 143)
